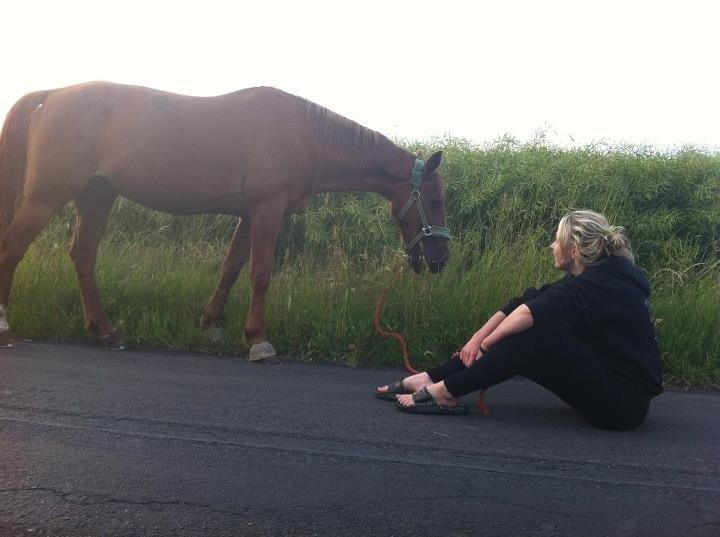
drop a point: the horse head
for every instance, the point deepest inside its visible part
(418, 207)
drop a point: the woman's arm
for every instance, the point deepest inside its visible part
(469, 352)
(519, 320)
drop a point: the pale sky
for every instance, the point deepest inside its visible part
(639, 72)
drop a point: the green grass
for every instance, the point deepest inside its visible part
(156, 271)
(686, 308)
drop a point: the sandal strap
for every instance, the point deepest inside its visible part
(396, 387)
(423, 399)
(393, 389)
(423, 396)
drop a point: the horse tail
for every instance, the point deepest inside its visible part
(13, 154)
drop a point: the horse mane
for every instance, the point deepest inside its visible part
(345, 141)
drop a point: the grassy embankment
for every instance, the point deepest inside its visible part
(156, 271)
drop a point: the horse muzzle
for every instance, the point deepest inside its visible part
(435, 263)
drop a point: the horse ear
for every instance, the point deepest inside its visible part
(433, 163)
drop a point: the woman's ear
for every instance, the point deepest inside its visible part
(573, 251)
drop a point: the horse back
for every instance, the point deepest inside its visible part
(174, 152)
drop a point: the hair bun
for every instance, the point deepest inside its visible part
(615, 239)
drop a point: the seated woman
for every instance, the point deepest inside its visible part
(588, 337)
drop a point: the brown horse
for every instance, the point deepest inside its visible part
(258, 153)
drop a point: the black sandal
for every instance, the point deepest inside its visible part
(426, 404)
(396, 388)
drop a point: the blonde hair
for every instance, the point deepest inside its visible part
(594, 237)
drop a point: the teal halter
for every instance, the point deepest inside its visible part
(427, 229)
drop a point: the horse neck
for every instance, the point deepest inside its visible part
(351, 157)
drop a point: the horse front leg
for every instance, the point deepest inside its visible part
(93, 208)
(266, 222)
(212, 315)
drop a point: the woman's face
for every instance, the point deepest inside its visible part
(562, 256)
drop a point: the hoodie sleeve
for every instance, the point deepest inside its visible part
(529, 294)
(562, 302)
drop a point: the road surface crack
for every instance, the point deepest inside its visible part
(86, 499)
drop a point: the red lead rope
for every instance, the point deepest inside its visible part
(482, 406)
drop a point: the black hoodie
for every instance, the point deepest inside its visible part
(607, 308)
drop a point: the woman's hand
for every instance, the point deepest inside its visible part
(469, 352)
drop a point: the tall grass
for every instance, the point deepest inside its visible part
(156, 271)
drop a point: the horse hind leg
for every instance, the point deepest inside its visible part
(27, 223)
(212, 316)
(93, 208)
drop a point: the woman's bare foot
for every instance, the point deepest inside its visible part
(411, 384)
(439, 392)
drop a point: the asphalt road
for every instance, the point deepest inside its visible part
(95, 443)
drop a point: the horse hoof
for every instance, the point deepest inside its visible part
(7, 339)
(263, 352)
(113, 342)
(209, 321)
(214, 332)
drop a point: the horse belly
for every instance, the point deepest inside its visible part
(177, 175)
(164, 187)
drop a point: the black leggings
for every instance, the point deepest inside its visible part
(555, 359)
